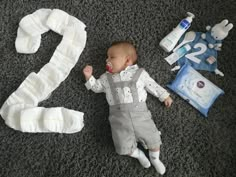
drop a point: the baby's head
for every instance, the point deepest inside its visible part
(120, 55)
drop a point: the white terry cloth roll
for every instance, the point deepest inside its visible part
(51, 120)
(25, 43)
(30, 29)
(35, 24)
(20, 110)
(58, 20)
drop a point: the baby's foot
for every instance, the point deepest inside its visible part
(138, 154)
(159, 166)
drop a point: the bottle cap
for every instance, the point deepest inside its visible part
(190, 17)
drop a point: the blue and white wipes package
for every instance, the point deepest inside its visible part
(196, 89)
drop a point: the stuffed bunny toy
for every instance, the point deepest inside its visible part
(204, 48)
(216, 34)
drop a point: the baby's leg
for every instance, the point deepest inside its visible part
(154, 158)
(138, 154)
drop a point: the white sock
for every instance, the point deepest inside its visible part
(138, 154)
(154, 158)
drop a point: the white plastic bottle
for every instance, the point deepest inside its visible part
(169, 42)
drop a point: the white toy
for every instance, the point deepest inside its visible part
(204, 47)
(216, 34)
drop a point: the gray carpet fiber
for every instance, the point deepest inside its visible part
(193, 146)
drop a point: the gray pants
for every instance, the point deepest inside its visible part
(132, 123)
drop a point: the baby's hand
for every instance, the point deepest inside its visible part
(88, 71)
(168, 101)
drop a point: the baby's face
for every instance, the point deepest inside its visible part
(116, 59)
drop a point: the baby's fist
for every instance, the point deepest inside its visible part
(88, 71)
(168, 101)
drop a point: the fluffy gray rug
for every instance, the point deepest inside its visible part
(193, 146)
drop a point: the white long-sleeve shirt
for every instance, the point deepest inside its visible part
(144, 84)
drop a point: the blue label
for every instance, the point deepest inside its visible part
(184, 24)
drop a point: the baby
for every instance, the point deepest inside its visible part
(126, 86)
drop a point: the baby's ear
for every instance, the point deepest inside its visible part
(129, 60)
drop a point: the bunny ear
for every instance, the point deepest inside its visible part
(229, 27)
(224, 22)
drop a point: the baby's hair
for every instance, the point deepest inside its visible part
(122, 42)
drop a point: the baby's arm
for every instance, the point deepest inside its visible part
(92, 83)
(155, 89)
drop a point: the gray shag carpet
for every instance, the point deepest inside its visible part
(193, 146)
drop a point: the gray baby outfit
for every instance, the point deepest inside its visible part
(131, 122)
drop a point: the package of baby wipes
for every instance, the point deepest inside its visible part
(196, 89)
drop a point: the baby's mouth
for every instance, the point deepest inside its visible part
(109, 67)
